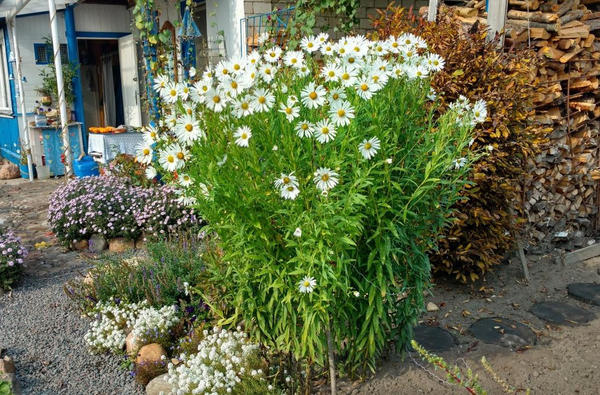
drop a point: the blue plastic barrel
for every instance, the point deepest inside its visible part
(85, 167)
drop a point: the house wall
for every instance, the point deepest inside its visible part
(102, 18)
(225, 16)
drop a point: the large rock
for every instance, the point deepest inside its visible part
(121, 244)
(159, 386)
(8, 171)
(131, 344)
(97, 243)
(150, 354)
(79, 245)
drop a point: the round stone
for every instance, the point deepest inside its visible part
(586, 292)
(503, 332)
(562, 313)
(434, 339)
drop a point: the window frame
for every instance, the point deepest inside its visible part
(5, 87)
(49, 51)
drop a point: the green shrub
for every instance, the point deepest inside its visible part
(321, 232)
(483, 227)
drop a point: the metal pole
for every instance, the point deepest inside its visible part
(432, 11)
(25, 133)
(64, 123)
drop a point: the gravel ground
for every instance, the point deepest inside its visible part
(39, 327)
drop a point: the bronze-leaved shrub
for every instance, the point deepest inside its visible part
(483, 228)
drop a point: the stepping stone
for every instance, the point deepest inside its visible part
(586, 292)
(562, 313)
(434, 339)
(503, 332)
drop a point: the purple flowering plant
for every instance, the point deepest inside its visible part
(113, 207)
(12, 255)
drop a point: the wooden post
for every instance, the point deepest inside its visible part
(432, 11)
(496, 18)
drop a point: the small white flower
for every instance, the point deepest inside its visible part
(263, 38)
(356, 294)
(304, 129)
(479, 111)
(324, 131)
(306, 286)
(144, 153)
(285, 180)
(325, 178)
(289, 109)
(150, 172)
(310, 44)
(185, 180)
(389, 161)
(275, 148)
(298, 232)
(290, 192)
(242, 135)
(313, 96)
(490, 148)
(192, 72)
(341, 112)
(458, 163)
(368, 148)
(186, 288)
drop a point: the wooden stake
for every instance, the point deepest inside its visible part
(331, 355)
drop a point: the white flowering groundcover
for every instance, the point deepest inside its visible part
(326, 177)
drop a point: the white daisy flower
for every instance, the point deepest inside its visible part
(327, 49)
(253, 58)
(187, 200)
(313, 96)
(379, 48)
(341, 112)
(204, 190)
(216, 100)
(294, 59)
(304, 129)
(435, 62)
(331, 72)
(222, 161)
(223, 70)
(286, 180)
(188, 109)
(184, 90)
(234, 84)
(144, 153)
(185, 180)
(168, 160)
(290, 109)
(150, 134)
(192, 72)
(368, 148)
(150, 172)
(324, 131)
(417, 72)
(263, 38)
(336, 94)
(348, 75)
(289, 192)
(200, 89)
(303, 71)
(262, 100)
(242, 135)
(267, 72)
(243, 107)
(479, 111)
(325, 178)
(272, 54)
(307, 285)
(322, 38)
(310, 44)
(170, 94)
(365, 88)
(298, 232)
(160, 83)
(459, 163)
(237, 65)
(181, 153)
(188, 129)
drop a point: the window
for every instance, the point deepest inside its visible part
(43, 53)
(5, 98)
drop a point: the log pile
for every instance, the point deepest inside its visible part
(562, 197)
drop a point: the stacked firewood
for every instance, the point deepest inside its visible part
(561, 198)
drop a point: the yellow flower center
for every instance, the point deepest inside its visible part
(225, 71)
(180, 155)
(375, 78)
(189, 127)
(379, 48)
(173, 92)
(335, 96)
(327, 49)
(356, 49)
(341, 112)
(268, 71)
(435, 62)
(325, 130)
(186, 178)
(312, 95)
(186, 90)
(286, 180)
(395, 45)
(153, 135)
(162, 84)
(262, 99)
(288, 111)
(310, 45)
(364, 87)
(272, 54)
(306, 284)
(236, 67)
(342, 50)
(244, 136)
(205, 88)
(325, 177)
(294, 61)
(477, 113)
(170, 159)
(409, 54)
(345, 76)
(351, 60)
(189, 111)
(368, 145)
(244, 106)
(304, 126)
(290, 188)
(146, 151)
(234, 84)
(216, 99)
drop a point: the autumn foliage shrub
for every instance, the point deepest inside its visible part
(483, 228)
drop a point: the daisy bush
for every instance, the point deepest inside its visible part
(112, 207)
(12, 255)
(326, 176)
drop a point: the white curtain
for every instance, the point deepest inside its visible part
(110, 116)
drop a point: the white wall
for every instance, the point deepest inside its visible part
(225, 15)
(102, 18)
(30, 30)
